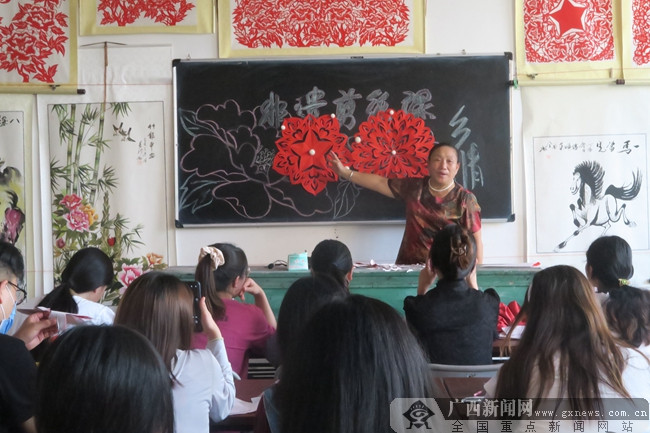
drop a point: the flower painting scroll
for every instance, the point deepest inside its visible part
(298, 27)
(38, 44)
(105, 160)
(12, 178)
(146, 16)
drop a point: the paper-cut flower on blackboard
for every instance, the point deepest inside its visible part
(303, 148)
(568, 32)
(393, 144)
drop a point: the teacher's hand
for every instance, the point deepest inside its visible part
(336, 165)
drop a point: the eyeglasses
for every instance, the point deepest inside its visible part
(21, 293)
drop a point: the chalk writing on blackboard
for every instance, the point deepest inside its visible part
(252, 136)
(471, 170)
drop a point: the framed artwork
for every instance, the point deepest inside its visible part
(16, 215)
(586, 170)
(107, 165)
(589, 186)
(99, 155)
(636, 40)
(141, 16)
(566, 40)
(250, 28)
(38, 45)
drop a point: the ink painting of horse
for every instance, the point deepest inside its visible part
(595, 208)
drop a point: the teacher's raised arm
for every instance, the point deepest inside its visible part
(431, 202)
(370, 181)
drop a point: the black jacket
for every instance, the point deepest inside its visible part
(455, 323)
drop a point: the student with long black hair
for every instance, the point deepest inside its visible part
(103, 379)
(627, 309)
(566, 350)
(333, 258)
(83, 282)
(354, 356)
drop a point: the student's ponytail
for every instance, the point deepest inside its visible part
(60, 299)
(627, 310)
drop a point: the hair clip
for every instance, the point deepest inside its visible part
(216, 256)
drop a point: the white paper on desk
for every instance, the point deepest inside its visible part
(63, 320)
(242, 406)
(516, 334)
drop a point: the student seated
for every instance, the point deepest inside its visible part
(566, 350)
(160, 307)
(103, 379)
(333, 257)
(83, 283)
(223, 273)
(455, 323)
(627, 309)
(304, 297)
(354, 357)
(17, 367)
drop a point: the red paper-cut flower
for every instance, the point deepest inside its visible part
(568, 31)
(303, 148)
(393, 144)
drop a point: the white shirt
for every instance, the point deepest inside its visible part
(206, 389)
(100, 314)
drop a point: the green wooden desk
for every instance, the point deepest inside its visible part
(389, 286)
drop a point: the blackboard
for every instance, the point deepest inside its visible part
(229, 117)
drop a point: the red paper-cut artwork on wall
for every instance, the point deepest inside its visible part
(568, 31)
(393, 144)
(34, 41)
(304, 23)
(303, 148)
(124, 12)
(641, 31)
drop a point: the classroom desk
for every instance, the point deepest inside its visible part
(245, 389)
(461, 387)
(500, 343)
(443, 387)
(389, 286)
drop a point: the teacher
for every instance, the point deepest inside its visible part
(431, 202)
